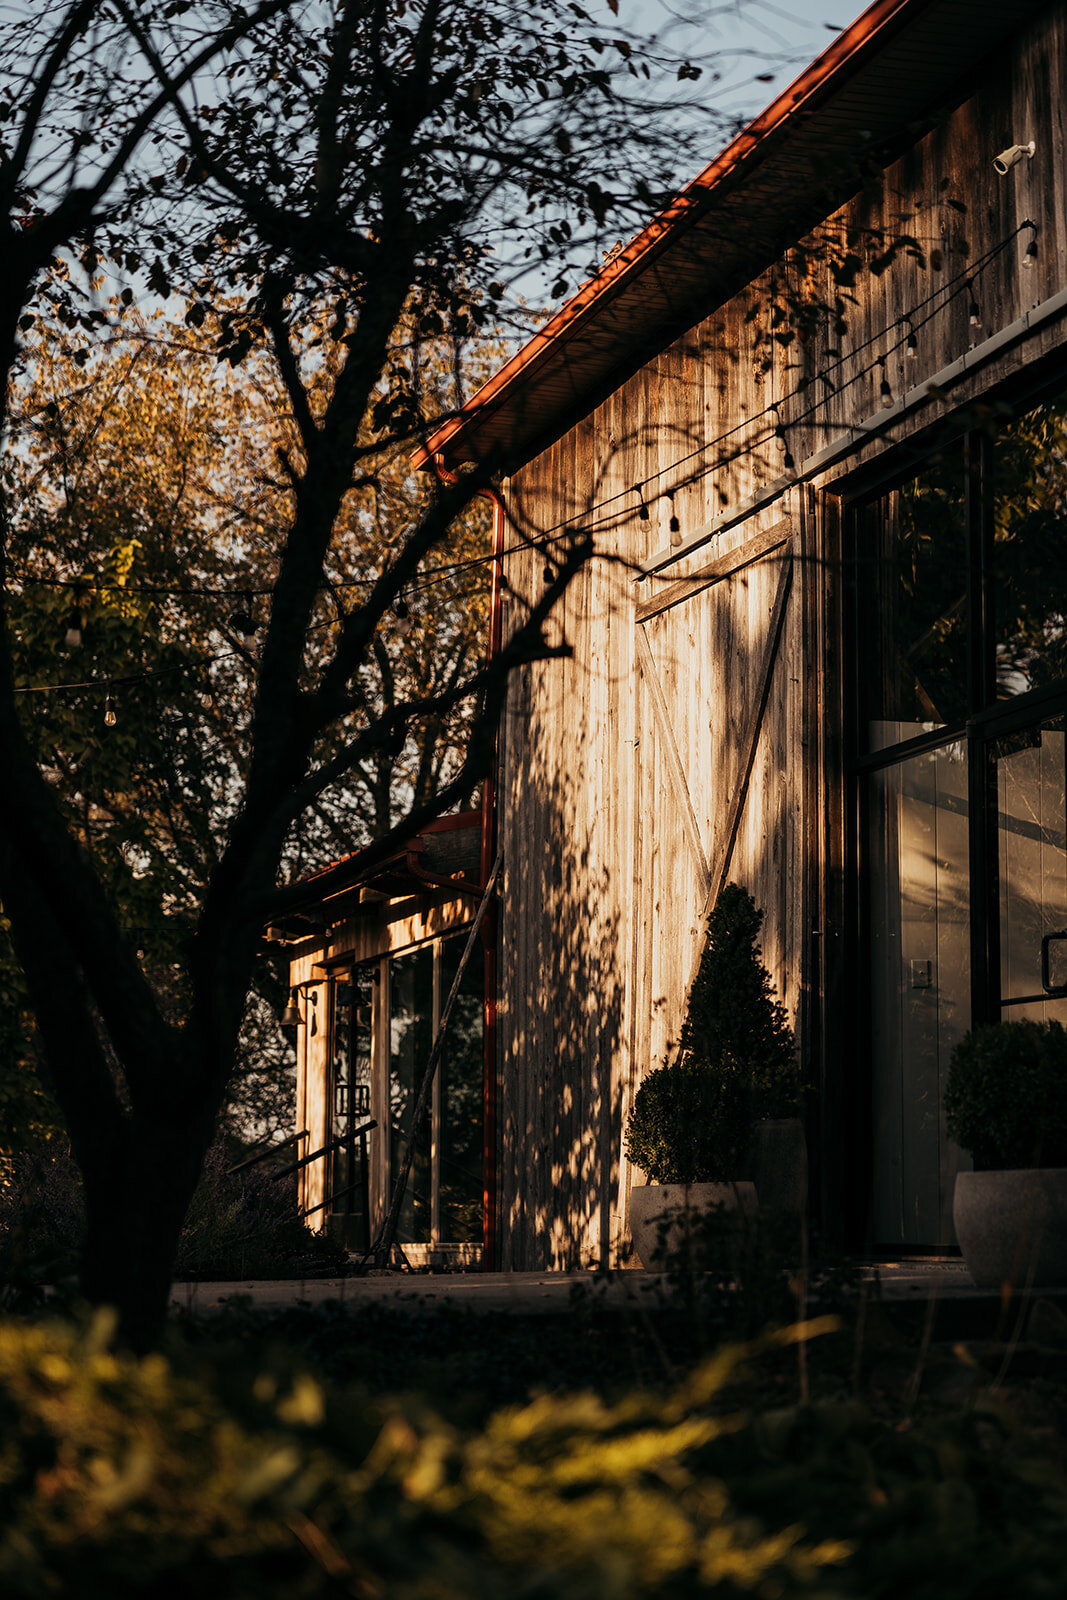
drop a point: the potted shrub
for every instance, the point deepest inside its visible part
(1006, 1103)
(689, 1132)
(712, 1117)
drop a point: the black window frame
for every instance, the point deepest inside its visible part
(987, 719)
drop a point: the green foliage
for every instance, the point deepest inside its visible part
(209, 1471)
(29, 1117)
(733, 1022)
(1006, 1098)
(692, 1120)
(690, 1124)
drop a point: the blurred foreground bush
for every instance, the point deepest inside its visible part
(242, 1226)
(251, 1479)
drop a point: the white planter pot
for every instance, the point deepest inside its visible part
(650, 1202)
(1012, 1226)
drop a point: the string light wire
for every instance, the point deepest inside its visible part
(963, 282)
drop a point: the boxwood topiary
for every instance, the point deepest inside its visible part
(690, 1125)
(1006, 1097)
(692, 1121)
(733, 1016)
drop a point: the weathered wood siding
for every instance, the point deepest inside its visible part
(622, 768)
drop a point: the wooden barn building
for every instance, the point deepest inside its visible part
(815, 418)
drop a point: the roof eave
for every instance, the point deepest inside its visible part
(817, 79)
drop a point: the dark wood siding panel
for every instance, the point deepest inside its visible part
(602, 899)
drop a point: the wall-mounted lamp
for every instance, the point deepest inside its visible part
(1012, 156)
(290, 1017)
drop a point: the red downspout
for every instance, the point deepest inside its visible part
(489, 923)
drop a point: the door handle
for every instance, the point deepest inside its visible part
(1047, 942)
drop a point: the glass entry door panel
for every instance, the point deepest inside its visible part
(460, 1118)
(443, 1198)
(351, 1065)
(1031, 865)
(411, 1030)
(919, 927)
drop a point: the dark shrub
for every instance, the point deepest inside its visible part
(692, 1121)
(242, 1226)
(236, 1473)
(1006, 1099)
(733, 1018)
(690, 1124)
(247, 1226)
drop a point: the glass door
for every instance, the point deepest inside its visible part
(443, 1199)
(351, 1065)
(959, 579)
(920, 986)
(1028, 781)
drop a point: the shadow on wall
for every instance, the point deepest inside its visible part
(560, 1033)
(619, 767)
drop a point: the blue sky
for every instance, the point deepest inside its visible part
(749, 39)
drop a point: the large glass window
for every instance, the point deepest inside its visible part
(959, 694)
(353, 999)
(1031, 863)
(911, 584)
(411, 1030)
(461, 1118)
(385, 1017)
(1029, 550)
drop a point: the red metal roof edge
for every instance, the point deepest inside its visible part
(647, 244)
(455, 819)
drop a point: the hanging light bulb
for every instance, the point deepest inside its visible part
(974, 314)
(110, 717)
(72, 639)
(911, 349)
(885, 389)
(402, 613)
(783, 444)
(642, 510)
(290, 1017)
(1030, 254)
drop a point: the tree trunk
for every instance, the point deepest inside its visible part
(133, 1223)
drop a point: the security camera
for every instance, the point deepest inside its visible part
(1012, 156)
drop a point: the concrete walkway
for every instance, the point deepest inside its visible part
(540, 1293)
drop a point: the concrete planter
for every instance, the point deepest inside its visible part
(1010, 1224)
(649, 1202)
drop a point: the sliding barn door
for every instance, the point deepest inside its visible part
(716, 785)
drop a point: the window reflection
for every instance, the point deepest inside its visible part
(1030, 550)
(410, 1039)
(911, 579)
(1031, 861)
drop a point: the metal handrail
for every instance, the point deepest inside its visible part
(327, 1149)
(330, 1198)
(347, 1142)
(283, 1144)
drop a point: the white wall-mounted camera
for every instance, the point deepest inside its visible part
(1012, 156)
